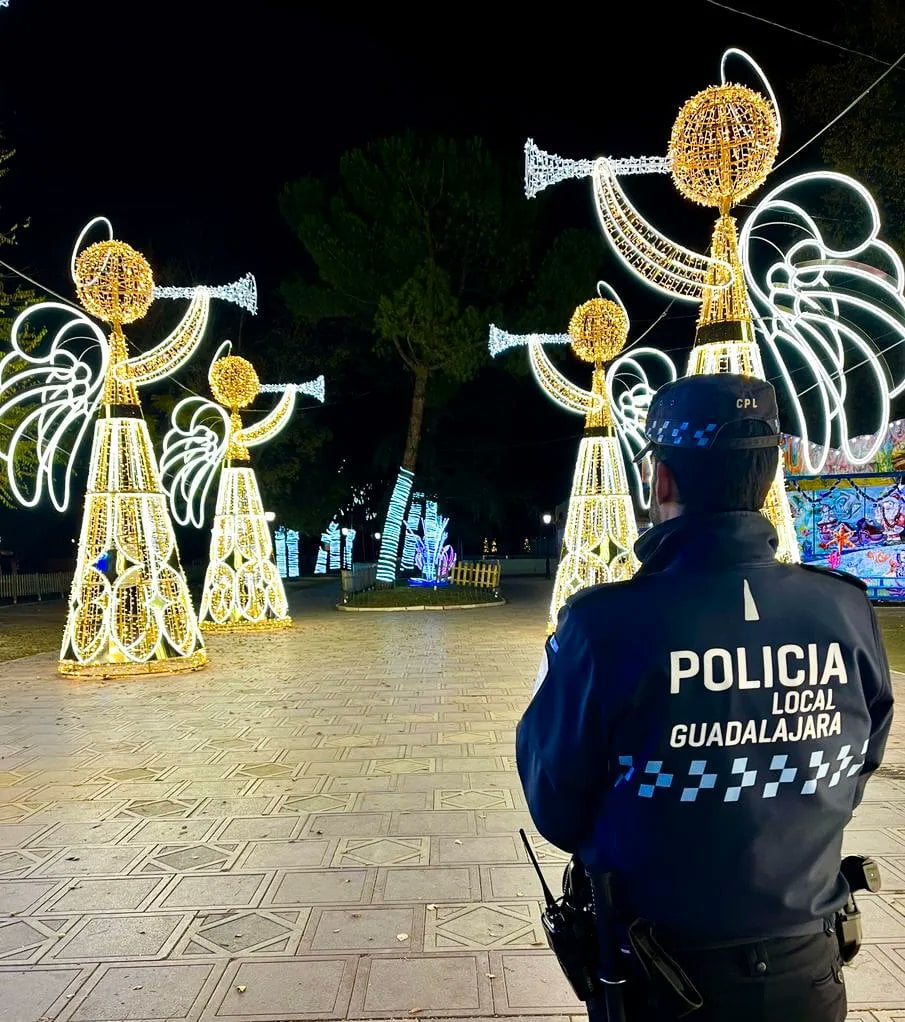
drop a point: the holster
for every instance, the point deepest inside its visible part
(848, 930)
(861, 873)
(670, 986)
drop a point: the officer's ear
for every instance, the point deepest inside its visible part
(665, 487)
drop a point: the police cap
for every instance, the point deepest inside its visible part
(693, 413)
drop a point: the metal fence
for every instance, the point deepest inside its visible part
(480, 574)
(54, 583)
(361, 577)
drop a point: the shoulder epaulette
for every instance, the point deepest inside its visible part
(842, 575)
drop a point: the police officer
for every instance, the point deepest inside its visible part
(703, 731)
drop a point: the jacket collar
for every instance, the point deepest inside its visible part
(707, 542)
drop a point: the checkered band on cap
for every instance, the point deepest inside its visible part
(673, 433)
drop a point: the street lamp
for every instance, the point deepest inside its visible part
(269, 516)
(547, 519)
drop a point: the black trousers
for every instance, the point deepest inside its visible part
(788, 979)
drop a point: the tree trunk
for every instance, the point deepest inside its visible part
(416, 420)
(388, 559)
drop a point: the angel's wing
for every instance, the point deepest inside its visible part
(193, 452)
(49, 394)
(831, 319)
(631, 382)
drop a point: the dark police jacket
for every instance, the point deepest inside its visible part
(705, 729)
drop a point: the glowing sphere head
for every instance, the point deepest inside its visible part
(234, 382)
(723, 145)
(598, 329)
(114, 282)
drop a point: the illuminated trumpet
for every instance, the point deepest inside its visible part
(543, 169)
(242, 292)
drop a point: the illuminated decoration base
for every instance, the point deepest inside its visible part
(433, 557)
(130, 611)
(391, 534)
(600, 529)
(242, 588)
(743, 358)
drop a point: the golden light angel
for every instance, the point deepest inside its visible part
(722, 147)
(601, 527)
(130, 611)
(243, 590)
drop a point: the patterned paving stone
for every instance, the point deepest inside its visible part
(20, 862)
(518, 881)
(458, 927)
(265, 770)
(283, 991)
(121, 937)
(257, 828)
(223, 934)
(156, 809)
(388, 801)
(400, 987)
(234, 807)
(477, 849)
(15, 811)
(313, 887)
(401, 766)
(117, 993)
(64, 835)
(36, 993)
(233, 890)
(18, 896)
(473, 799)
(430, 822)
(876, 978)
(348, 824)
(14, 835)
(88, 861)
(366, 929)
(121, 894)
(382, 851)
(156, 832)
(287, 854)
(432, 884)
(192, 806)
(530, 984)
(28, 940)
(190, 858)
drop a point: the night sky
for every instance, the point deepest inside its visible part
(181, 121)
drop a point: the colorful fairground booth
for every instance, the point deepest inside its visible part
(852, 517)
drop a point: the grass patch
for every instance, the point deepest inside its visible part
(421, 596)
(29, 628)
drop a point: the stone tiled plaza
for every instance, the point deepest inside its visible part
(321, 825)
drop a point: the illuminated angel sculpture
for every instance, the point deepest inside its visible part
(600, 528)
(722, 148)
(243, 590)
(130, 611)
